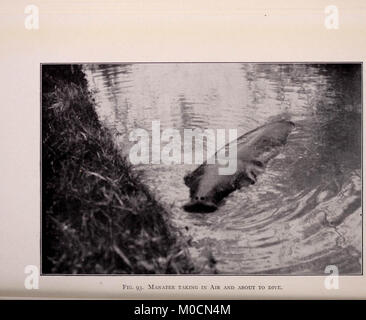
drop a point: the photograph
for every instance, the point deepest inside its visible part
(201, 168)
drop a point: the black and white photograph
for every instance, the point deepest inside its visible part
(214, 168)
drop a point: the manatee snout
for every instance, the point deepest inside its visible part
(200, 204)
(206, 200)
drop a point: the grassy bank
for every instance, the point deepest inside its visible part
(97, 217)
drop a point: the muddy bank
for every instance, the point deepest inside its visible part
(97, 217)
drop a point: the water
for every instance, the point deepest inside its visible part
(304, 213)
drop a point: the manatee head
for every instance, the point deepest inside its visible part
(202, 192)
(210, 189)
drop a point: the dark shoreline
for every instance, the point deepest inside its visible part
(97, 217)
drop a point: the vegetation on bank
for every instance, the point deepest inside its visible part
(97, 217)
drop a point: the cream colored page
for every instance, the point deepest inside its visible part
(146, 31)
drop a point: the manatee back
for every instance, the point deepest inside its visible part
(275, 132)
(260, 144)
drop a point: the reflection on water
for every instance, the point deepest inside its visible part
(304, 213)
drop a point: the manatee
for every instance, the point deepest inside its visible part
(254, 150)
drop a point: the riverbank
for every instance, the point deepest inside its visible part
(97, 217)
